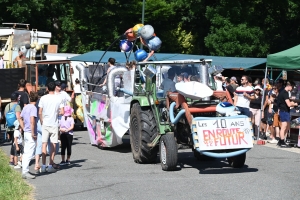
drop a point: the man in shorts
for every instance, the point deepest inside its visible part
(50, 107)
(284, 105)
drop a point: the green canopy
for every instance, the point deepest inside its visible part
(287, 59)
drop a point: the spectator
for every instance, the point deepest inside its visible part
(276, 120)
(195, 78)
(76, 88)
(266, 85)
(264, 125)
(23, 98)
(180, 78)
(233, 82)
(255, 106)
(131, 65)
(17, 110)
(219, 82)
(270, 121)
(257, 82)
(60, 90)
(18, 147)
(229, 87)
(280, 85)
(250, 82)
(66, 137)
(243, 95)
(28, 124)
(185, 77)
(19, 60)
(49, 108)
(38, 149)
(168, 85)
(111, 63)
(284, 105)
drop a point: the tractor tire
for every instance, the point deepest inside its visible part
(237, 161)
(143, 130)
(168, 152)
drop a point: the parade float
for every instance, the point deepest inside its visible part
(195, 115)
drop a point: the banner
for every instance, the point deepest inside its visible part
(224, 133)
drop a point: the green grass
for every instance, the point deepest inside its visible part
(12, 186)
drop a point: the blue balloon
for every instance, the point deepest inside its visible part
(154, 43)
(140, 55)
(125, 45)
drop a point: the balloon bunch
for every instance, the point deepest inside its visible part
(147, 37)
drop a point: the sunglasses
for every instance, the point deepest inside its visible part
(257, 90)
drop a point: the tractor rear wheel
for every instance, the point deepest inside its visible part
(143, 130)
(168, 152)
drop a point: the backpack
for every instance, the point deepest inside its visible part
(11, 116)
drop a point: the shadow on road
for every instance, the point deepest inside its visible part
(122, 148)
(216, 166)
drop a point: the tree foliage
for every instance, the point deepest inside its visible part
(216, 27)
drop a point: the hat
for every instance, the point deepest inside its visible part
(16, 124)
(258, 88)
(41, 93)
(233, 78)
(14, 96)
(63, 86)
(219, 75)
(68, 111)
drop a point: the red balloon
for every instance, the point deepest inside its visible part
(129, 35)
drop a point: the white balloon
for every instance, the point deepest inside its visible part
(147, 32)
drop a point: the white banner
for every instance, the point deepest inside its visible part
(224, 133)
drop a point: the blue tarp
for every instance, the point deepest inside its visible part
(225, 62)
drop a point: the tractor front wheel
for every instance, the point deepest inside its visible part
(168, 152)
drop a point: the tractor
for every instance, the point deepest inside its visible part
(194, 116)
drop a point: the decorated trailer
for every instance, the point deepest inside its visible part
(159, 121)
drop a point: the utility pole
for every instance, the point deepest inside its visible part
(143, 15)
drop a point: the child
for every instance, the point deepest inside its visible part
(17, 146)
(271, 104)
(66, 126)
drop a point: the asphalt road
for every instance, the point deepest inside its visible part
(269, 173)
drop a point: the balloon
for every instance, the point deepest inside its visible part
(125, 45)
(136, 29)
(130, 35)
(140, 55)
(147, 32)
(154, 43)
